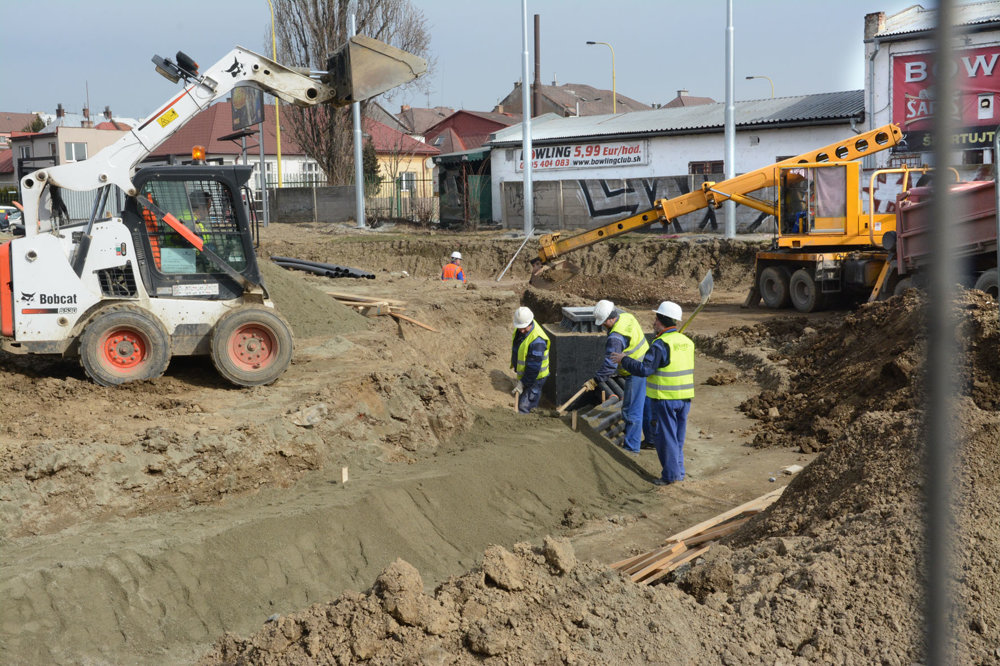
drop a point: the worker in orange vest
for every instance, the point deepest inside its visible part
(453, 270)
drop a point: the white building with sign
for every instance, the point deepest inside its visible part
(592, 170)
(900, 74)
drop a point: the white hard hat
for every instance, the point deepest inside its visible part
(602, 311)
(669, 309)
(522, 317)
(456, 255)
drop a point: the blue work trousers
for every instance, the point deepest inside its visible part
(531, 396)
(668, 426)
(632, 408)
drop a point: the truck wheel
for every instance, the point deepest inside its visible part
(804, 292)
(902, 286)
(773, 286)
(251, 346)
(989, 283)
(124, 344)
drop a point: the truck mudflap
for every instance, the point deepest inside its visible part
(6, 293)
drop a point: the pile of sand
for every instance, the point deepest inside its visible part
(309, 311)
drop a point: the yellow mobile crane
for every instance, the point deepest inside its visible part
(825, 243)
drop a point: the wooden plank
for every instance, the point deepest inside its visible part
(718, 532)
(657, 564)
(398, 316)
(368, 299)
(758, 504)
(662, 573)
(633, 564)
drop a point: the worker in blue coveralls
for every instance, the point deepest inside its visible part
(624, 335)
(529, 357)
(669, 372)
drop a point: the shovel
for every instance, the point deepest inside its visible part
(705, 289)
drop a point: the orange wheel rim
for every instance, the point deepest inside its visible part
(252, 347)
(124, 349)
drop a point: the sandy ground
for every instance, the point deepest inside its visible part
(141, 524)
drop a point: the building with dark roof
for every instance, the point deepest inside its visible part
(416, 120)
(571, 99)
(684, 99)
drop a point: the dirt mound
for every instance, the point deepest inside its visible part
(529, 606)
(871, 360)
(830, 573)
(308, 310)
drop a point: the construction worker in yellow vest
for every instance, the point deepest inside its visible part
(529, 357)
(669, 371)
(625, 336)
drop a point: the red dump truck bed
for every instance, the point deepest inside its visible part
(975, 226)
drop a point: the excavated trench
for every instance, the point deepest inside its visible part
(141, 524)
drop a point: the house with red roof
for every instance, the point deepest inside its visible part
(467, 130)
(403, 161)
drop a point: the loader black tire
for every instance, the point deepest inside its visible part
(773, 287)
(989, 283)
(251, 346)
(124, 344)
(804, 293)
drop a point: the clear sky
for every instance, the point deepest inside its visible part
(54, 51)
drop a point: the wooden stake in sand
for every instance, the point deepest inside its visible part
(343, 475)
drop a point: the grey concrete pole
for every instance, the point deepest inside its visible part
(730, 120)
(526, 125)
(359, 160)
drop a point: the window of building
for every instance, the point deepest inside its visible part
(311, 172)
(25, 152)
(439, 140)
(407, 181)
(705, 168)
(52, 149)
(76, 151)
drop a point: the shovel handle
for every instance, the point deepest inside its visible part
(696, 311)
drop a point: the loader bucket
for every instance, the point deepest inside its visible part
(365, 67)
(549, 276)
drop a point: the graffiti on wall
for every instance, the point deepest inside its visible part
(603, 199)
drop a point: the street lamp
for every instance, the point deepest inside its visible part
(277, 119)
(614, 93)
(768, 80)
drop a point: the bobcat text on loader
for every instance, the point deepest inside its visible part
(176, 273)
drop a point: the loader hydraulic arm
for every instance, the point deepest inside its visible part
(715, 194)
(363, 68)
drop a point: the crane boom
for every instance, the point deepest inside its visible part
(715, 193)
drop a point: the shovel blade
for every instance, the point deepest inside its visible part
(705, 286)
(553, 274)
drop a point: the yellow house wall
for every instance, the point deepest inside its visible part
(391, 166)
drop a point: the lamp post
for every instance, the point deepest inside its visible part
(768, 80)
(614, 93)
(277, 118)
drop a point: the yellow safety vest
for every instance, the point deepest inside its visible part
(522, 351)
(674, 381)
(628, 327)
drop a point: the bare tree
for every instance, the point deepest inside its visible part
(307, 32)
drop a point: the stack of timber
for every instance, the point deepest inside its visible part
(653, 567)
(377, 306)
